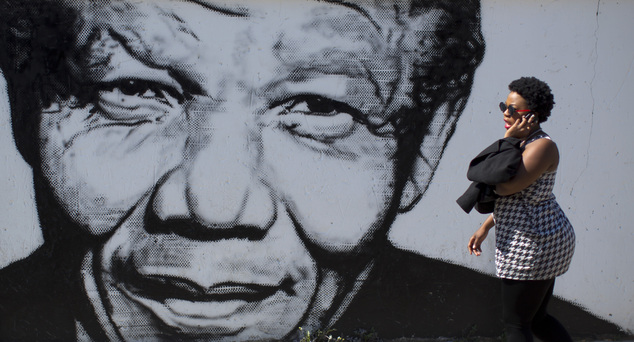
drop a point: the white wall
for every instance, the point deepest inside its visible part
(585, 51)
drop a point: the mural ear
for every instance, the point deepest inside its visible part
(410, 196)
(441, 128)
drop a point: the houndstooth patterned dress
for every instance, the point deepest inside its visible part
(534, 239)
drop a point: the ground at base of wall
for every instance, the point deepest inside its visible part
(489, 339)
(485, 339)
(365, 336)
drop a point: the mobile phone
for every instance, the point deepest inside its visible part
(528, 116)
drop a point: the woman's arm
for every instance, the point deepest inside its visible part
(475, 242)
(539, 157)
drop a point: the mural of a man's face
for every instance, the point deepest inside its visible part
(236, 178)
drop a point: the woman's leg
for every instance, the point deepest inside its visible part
(521, 302)
(546, 327)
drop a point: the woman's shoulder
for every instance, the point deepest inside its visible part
(543, 149)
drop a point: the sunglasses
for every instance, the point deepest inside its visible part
(512, 110)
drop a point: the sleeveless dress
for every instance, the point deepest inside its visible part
(534, 239)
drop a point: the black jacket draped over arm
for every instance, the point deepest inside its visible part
(496, 164)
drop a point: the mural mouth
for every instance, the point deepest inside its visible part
(161, 288)
(224, 308)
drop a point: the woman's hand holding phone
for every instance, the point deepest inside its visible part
(522, 128)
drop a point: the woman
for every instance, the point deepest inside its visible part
(534, 239)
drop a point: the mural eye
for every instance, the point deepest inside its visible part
(318, 118)
(136, 100)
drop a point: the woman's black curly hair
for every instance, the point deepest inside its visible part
(537, 94)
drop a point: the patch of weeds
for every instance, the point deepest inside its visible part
(319, 336)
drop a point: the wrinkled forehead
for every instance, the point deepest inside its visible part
(382, 15)
(384, 42)
(384, 29)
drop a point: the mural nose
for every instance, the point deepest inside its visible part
(225, 191)
(219, 186)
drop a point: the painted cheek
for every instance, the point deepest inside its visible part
(338, 217)
(337, 202)
(99, 174)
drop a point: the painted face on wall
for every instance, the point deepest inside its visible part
(237, 161)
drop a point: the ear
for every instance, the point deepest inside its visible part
(410, 196)
(431, 150)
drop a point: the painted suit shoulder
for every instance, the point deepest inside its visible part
(37, 299)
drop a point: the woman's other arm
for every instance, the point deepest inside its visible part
(475, 242)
